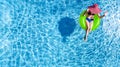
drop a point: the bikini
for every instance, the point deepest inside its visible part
(88, 19)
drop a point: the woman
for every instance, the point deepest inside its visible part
(91, 11)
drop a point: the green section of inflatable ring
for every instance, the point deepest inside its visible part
(82, 21)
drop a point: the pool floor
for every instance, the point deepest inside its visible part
(46, 33)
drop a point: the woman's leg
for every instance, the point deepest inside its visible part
(87, 30)
(90, 26)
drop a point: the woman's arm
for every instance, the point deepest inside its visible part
(102, 15)
(86, 11)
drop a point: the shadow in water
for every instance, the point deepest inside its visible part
(66, 27)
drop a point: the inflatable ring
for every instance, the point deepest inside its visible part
(82, 21)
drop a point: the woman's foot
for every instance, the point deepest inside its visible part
(85, 38)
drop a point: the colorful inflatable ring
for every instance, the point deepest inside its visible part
(82, 19)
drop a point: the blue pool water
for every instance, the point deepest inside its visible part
(46, 33)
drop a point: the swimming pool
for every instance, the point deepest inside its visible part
(46, 33)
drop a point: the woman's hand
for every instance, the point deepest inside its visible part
(105, 13)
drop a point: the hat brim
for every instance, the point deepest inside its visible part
(94, 9)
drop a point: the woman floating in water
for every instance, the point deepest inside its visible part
(91, 11)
